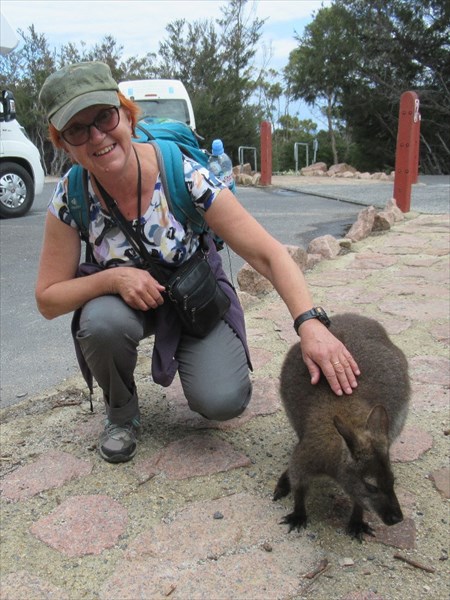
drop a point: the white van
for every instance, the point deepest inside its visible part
(160, 98)
(21, 172)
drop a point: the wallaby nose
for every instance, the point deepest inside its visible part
(393, 518)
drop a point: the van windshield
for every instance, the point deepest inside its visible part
(165, 109)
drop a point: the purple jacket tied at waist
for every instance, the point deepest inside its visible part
(168, 327)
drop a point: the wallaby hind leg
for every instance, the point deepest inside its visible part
(356, 526)
(283, 486)
(297, 519)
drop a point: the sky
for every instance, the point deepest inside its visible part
(138, 26)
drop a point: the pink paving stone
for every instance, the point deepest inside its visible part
(353, 295)
(441, 479)
(417, 261)
(255, 333)
(22, 585)
(441, 332)
(193, 456)
(276, 309)
(260, 357)
(400, 243)
(51, 470)
(89, 429)
(372, 260)
(438, 223)
(193, 534)
(394, 325)
(257, 574)
(402, 535)
(413, 308)
(286, 331)
(411, 444)
(430, 369)
(410, 287)
(436, 275)
(215, 545)
(83, 525)
(330, 280)
(426, 396)
(253, 574)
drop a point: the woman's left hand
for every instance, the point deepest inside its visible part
(322, 351)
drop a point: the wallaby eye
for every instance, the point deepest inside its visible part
(372, 489)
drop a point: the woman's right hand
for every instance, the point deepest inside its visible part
(59, 291)
(137, 287)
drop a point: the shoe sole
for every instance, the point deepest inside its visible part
(117, 458)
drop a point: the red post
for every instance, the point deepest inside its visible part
(407, 151)
(266, 153)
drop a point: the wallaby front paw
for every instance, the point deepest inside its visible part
(357, 529)
(294, 521)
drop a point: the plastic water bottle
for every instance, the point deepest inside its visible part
(220, 164)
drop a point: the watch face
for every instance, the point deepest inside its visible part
(322, 316)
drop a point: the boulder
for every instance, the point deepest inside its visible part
(391, 207)
(363, 225)
(244, 179)
(256, 179)
(326, 245)
(299, 255)
(314, 169)
(340, 168)
(252, 282)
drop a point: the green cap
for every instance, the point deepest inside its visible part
(76, 87)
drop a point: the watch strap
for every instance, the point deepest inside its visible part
(315, 313)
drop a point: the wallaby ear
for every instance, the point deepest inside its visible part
(378, 420)
(347, 433)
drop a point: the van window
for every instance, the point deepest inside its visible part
(160, 99)
(163, 108)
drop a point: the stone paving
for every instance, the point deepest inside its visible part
(192, 516)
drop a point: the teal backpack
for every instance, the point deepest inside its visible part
(171, 139)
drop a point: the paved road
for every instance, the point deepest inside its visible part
(37, 354)
(430, 195)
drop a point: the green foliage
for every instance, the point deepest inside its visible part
(292, 130)
(356, 59)
(214, 60)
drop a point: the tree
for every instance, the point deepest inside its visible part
(214, 61)
(402, 45)
(318, 68)
(356, 59)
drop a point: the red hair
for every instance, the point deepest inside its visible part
(131, 107)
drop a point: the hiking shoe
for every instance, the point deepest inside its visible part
(118, 442)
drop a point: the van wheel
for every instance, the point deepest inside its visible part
(16, 190)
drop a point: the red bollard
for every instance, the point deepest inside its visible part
(407, 151)
(266, 153)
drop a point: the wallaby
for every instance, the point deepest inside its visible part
(347, 437)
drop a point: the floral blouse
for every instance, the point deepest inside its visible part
(165, 237)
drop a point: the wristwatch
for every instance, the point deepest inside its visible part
(315, 313)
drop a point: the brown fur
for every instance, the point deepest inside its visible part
(347, 438)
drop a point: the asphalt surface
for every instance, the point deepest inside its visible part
(192, 515)
(430, 195)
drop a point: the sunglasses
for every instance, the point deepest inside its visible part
(105, 121)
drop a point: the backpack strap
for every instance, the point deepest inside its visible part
(77, 201)
(78, 205)
(170, 163)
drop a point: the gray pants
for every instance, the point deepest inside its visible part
(213, 370)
